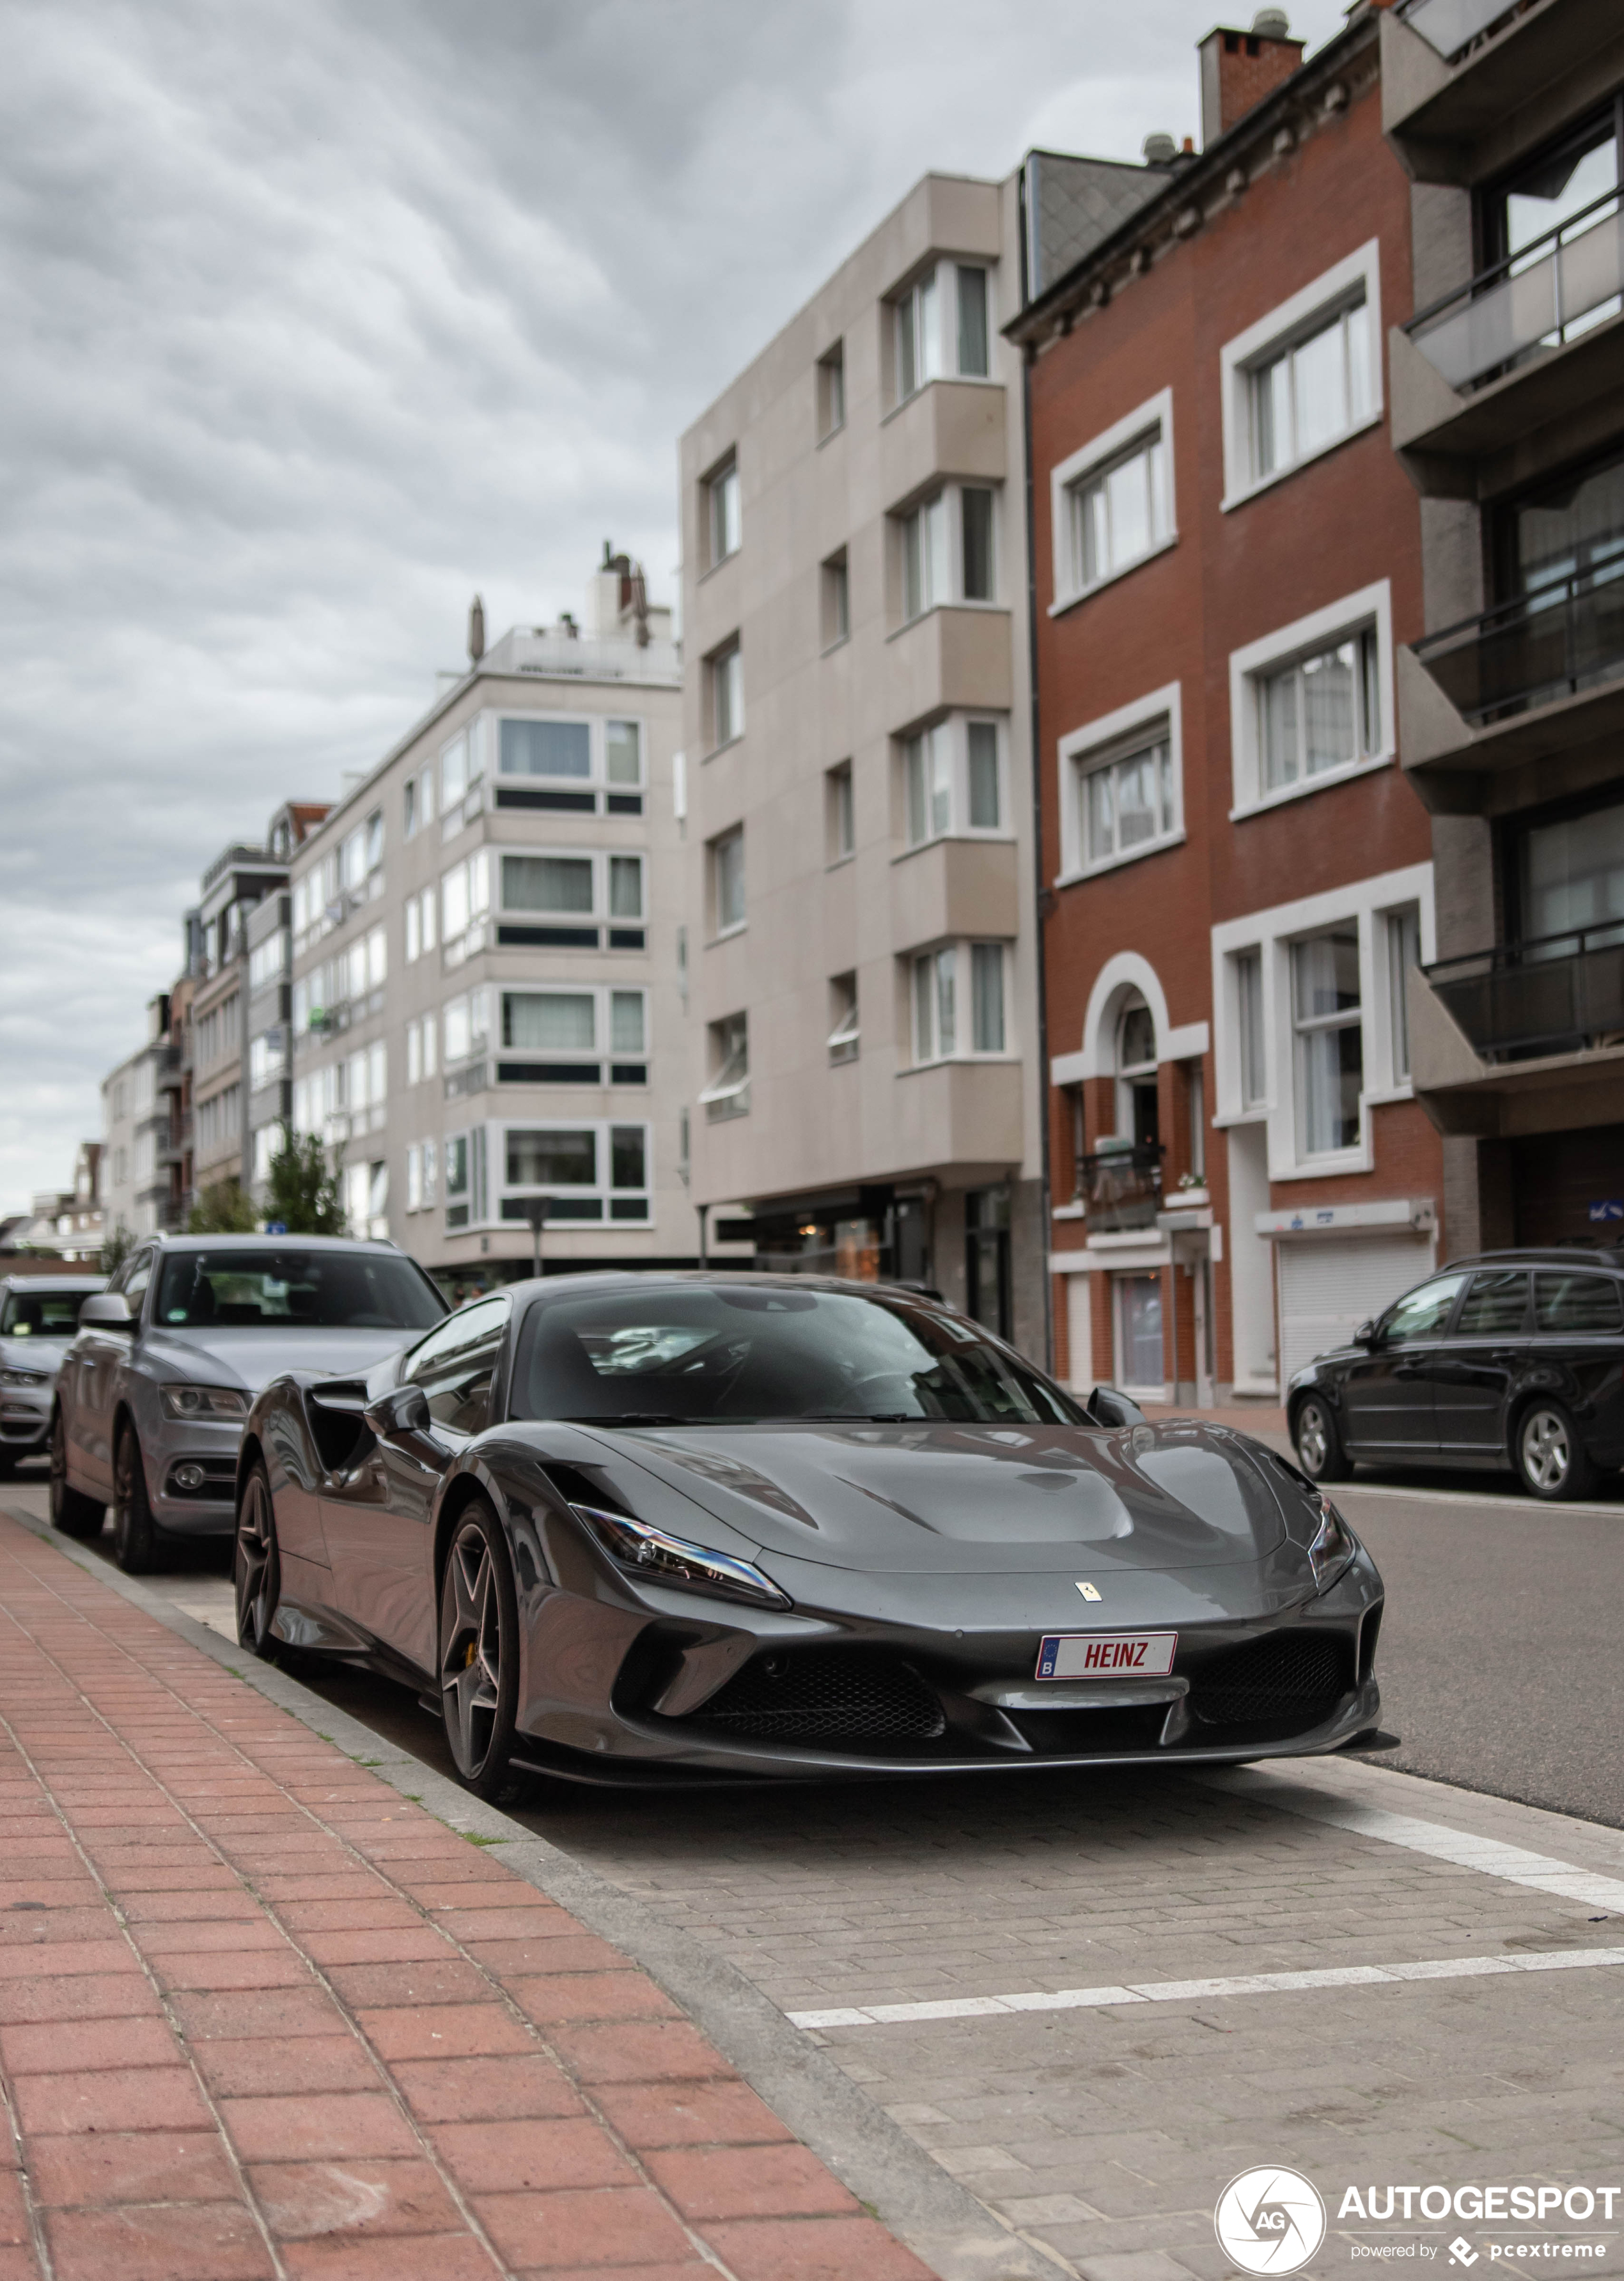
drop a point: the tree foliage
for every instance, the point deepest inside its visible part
(304, 1190)
(116, 1249)
(224, 1208)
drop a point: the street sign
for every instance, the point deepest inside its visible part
(1606, 1207)
(276, 1227)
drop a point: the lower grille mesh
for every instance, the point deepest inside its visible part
(825, 1699)
(1298, 1679)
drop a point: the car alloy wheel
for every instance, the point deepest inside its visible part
(74, 1514)
(1319, 1445)
(1551, 1457)
(479, 1655)
(135, 1532)
(257, 1566)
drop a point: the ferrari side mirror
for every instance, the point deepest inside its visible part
(400, 1415)
(1112, 1407)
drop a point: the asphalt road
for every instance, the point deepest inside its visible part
(1502, 1654)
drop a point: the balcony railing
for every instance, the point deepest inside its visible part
(1553, 642)
(1539, 297)
(1561, 992)
(1122, 1189)
(1451, 25)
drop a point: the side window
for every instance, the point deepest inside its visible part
(456, 1362)
(1421, 1314)
(140, 1276)
(1575, 1303)
(1495, 1307)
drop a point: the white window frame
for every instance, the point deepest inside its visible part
(950, 498)
(733, 837)
(727, 1093)
(845, 1040)
(461, 942)
(954, 729)
(602, 1188)
(725, 665)
(1109, 737)
(723, 511)
(599, 858)
(602, 995)
(839, 814)
(597, 778)
(902, 307)
(1073, 475)
(1271, 933)
(1369, 606)
(461, 808)
(1290, 321)
(926, 1052)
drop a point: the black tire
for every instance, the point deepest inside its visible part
(134, 1532)
(256, 1565)
(1552, 1463)
(1318, 1441)
(73, 1512)
(478, 1655)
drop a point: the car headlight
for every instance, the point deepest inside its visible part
(665, 1559)
(23, 1377)
(1335, 1543)
(204, 1401)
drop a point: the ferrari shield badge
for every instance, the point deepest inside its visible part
(1087, 1592)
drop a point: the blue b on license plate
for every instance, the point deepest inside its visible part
(1114, 1655)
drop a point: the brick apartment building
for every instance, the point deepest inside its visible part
(1237, 875)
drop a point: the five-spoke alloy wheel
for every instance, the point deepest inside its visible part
(1552, 1460)
(479, 1654)
(257, 1565)
(1319, 1442)
(74, 1513)
(134, 1532)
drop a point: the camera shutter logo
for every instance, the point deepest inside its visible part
(1269, 2220)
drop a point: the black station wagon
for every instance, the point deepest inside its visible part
(1515, 1359)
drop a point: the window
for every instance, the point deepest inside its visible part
(959, 1004)
(1495, 1307)
(836, 601)
(467, 1025)
(1312, 702)
(942, 324)
(1330, 1048)
(267, 1057)
(1421, 1314)
(413, 1053)
(374, 840)
(550, 1021)
(414, 1178)
(1404, 947)
(414, 930)
(268, 961)
(935, 1008)
(844, 1036)
(1304, 376)
(727, 881)
(1575, 1305)
(623, 752)
(461, 770)
(465, 900)
(952, 781)
(1248, 1008)
(727, 1092)
(838, 817)
(1120, 513)
(1127, 804)
(554, 884)
(722, 511)
(832, 390)
(946, 551)
(544, 748)
(1319, 712)
(1138, 1330)
(429, 1155)
(986, 997)
(726, 675)
(408, 826)
(625, 887)
(585, 1172)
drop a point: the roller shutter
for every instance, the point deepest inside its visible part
(1329, 1284)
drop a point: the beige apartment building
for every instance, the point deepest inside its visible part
(856, 704)
(486, 1001)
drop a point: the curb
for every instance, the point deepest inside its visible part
(873, 2157)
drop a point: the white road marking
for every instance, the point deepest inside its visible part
(1186, 1991)
(1553, 1510)
(1515, 1864)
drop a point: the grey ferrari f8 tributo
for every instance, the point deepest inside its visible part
(709, 1527)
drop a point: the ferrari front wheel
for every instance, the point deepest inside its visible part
(479, 1656)
(257, 1565)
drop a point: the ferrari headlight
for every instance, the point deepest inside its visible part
(1335, 1543)
(204, 1401)
(662, 1559)
(23, 1377)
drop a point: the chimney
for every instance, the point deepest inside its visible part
(477, 631)
(1239, 68)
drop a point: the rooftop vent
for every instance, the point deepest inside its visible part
(1160, 150)
(1271, 24)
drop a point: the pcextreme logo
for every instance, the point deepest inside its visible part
(1269, 2220)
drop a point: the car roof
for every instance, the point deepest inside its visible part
(1557, 1254)
(631, 1278)
(53, 1282)
(259, 1242)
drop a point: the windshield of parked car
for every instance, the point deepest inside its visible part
(42, 1314)
(274, 1289)
(678, 1355)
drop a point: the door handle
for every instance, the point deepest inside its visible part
(1408, 1369)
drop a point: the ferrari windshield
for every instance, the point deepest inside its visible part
(674, 1354)
(274, 1289)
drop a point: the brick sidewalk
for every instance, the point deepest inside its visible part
(261, 2016)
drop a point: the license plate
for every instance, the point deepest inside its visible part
(1113, 1655)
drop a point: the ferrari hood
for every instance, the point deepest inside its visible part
(252, 1358)
(994, 1500)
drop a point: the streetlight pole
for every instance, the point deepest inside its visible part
(540, 1206)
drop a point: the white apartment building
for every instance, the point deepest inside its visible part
(487, 993)
(856, 710)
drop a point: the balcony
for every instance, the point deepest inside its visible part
(1457, 74)
(1122, 1189)
(1531, 341)
(952, 888)
(950, 428)
(1527, 1037)
(1534, 680)
(957, 654)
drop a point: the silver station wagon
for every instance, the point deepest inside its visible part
(153, 1391)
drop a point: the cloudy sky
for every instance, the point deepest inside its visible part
(320, 314)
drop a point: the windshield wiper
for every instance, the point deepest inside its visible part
(859, 1418)
(636, 1418)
